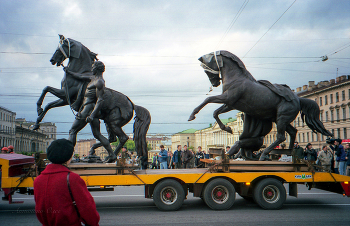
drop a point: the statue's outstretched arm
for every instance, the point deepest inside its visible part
(86, 77)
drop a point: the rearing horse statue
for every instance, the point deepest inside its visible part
(262, 103)
(72, 90)
(117, 109)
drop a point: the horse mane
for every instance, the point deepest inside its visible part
(77, 44)
(238, 61)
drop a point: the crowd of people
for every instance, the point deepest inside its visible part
(181, 158)
(333, 157)
(7, 150)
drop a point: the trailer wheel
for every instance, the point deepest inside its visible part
(219, 194)
(168, 195)
(270, 194)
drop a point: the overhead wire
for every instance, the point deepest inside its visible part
(269, 29)
(232, 22)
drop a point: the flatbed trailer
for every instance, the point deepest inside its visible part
(217, 185)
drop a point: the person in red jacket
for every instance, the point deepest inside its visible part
(53, 200)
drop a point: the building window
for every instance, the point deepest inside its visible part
(332, 116)
(337, 112)
(299, 138)
(321, 116)
(320, 101)
(303, 137)
(349, 93)
(345, 134)
(338, 132)
(344, 114)
(336, 97)
(326, 116)
(343, 95)
(331, 98)
(326, 99)
(333, 132)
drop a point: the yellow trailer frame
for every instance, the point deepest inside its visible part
(169, 188)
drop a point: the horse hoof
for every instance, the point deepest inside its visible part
(263, 158)
(111, 159)
(228, 129)
(192, 117)
(36, 126)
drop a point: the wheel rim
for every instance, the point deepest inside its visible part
(220, 194)
(168, 195)
(271, 194)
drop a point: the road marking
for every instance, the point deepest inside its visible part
(126, 207)
(106, 196)
(326, 204)
(98, 196)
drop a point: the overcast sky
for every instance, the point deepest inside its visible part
(150, 49)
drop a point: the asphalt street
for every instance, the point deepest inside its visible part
(127, 206)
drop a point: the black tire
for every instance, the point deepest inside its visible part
(168, 195)
(270, 194)
(219, 194)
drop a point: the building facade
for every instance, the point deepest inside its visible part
(7, 127)
(28, 140)
(83, 147)
(333, 98)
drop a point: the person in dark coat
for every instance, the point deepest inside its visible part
(186, 157)
(340, 153)
(298, 151)
(53, 200)
(177, 158)
(347, 149)
(311, 154)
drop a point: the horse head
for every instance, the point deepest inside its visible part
(211, 64)
(66, 48)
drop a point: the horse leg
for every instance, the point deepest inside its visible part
(60, 93)
(219, 99)
(292, 133)
(78, 125)
(95, 128)
(223, 109)
(117, 131)
(53, 104)
(281, 129)
(234, 149)
(93, 147)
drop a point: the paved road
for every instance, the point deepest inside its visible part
(127, 206)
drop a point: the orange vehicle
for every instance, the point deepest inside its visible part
(217, 185)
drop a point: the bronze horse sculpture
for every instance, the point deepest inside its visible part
(117, 109)
(261, 102)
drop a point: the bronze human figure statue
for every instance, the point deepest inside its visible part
(262, 103)
(83, 89)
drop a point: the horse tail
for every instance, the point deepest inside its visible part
(310, 111)
(141, 125)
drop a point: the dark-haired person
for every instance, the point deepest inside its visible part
(186, 158)
(340, 153)
(56, 188)
(163, 157)
(347, 149)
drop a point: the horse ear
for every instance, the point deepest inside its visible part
(75, 48)
(61, 37)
